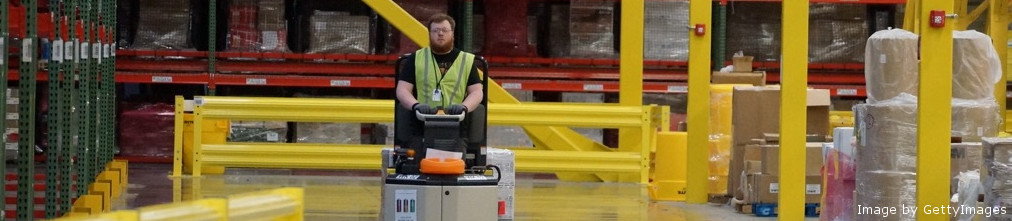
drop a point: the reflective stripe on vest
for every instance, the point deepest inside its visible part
(450, 84)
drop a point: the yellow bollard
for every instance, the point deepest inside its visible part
(669, 180)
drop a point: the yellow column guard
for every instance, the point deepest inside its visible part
(699, 103)
(934, 110)
(794, 81)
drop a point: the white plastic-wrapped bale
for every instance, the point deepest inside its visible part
(976, 67)
(973, 120)
(887, 133)
(891, 64)
(885, 189)
(998, 181)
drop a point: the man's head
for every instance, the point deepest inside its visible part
(441, 32)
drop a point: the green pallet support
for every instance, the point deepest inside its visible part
(54, 115)
(84, 100)
(4, 36)
(66, 89)
(468, 26)
(26, 115)
(212, 46)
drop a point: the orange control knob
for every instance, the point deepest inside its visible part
(442, 166)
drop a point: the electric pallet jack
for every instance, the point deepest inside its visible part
(442, 174)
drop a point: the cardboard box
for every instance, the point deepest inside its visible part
(757, 78)
(757, 111)
(742, 64)
(753, 167)
(965, 157)
(767, 189)
(813, 159)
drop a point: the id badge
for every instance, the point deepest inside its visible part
(437, 95)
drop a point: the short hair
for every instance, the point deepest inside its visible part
(440, 18)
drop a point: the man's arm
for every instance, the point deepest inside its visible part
(404, 94)
(474, 96)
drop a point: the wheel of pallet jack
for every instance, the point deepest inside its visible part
(442, 166)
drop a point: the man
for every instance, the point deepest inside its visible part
(440, 75)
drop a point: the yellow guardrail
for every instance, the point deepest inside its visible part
(633, 160)
(283, 204)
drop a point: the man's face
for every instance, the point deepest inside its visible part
(441, 35)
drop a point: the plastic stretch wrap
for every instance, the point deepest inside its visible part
(271, 24)
(258, 131)
(339, 32)
(976, 67)
(558, 32)
(720, 136)
(838, 204)
(329, 133)
(754, 29)
(974, 119)
(146, 131)
(886, 135)
(838, 33)
(664, 35)
(968, 189)
(242, 31)
(506, 161)
(891, 64)
(126, 22)
(998, 179)
(591, 26)
(509, 26)
(163, 25)
(885, 189)
(966, 157)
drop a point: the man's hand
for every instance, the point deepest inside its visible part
(423, 108)
(456, 109)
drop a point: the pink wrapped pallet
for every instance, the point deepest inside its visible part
(838, 176)
(146, 131)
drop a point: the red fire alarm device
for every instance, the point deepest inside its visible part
(937, 18)
(700, 29)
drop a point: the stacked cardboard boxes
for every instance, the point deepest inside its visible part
(339, 32)
(163, 25)
(998, 164)
(756, 111)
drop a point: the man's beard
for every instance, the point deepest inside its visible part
(442, 48)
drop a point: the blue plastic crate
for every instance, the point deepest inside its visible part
(769, 209)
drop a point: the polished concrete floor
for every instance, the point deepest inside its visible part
(355, 195)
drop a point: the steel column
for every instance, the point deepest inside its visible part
(212, 47)
(794, 83)
(699, 103)
(54, 149)
(5, 47)
(64, 90)
(934, 112)
(26, 117)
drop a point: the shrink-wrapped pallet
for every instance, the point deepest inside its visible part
(887, 133)
(974, 119)
(163, 25)
(891, 64)
(976, 67)
(889, 189)
(998, 180)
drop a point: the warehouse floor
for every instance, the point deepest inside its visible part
(345, 195)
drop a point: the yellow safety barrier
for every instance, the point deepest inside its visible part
(283, 204)
(630, 161)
